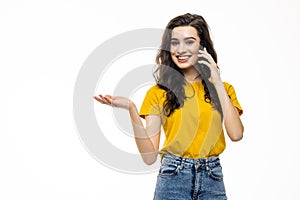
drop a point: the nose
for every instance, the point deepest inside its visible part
(181, 48)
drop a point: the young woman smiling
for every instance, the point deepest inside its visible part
(192, 104)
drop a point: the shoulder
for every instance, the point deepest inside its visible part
(155, 89)
(230, 90)
(232, 95)
(155, 93)
(227, 86)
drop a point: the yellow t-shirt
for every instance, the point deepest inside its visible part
(194, 130)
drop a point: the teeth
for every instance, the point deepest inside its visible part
(183, 57)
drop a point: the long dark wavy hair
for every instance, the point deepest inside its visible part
(169, 76)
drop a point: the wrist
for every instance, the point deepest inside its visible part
(218, 83)
(219, 86)
(131, 105)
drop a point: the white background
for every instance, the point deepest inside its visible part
(43, 45)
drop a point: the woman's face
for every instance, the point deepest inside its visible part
(184, 46)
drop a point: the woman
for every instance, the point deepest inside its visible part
(191, 103)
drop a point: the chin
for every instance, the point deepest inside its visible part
(184, 65)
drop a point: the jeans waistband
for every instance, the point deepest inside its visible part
(205, 162)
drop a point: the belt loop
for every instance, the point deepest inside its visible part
(206, 164)
(182, 162)
(162, 157)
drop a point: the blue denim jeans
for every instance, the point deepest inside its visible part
(189, 179)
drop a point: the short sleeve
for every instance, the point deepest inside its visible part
(232, 95)
(153, 102)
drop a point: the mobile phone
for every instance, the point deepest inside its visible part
(203, 69)
(201, 46)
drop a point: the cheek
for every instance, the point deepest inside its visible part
(194, 52)
(172, 50)
(174, 58)
(194, 59)
(194, 49)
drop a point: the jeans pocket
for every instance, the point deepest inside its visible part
(216, 173)
(167, 169)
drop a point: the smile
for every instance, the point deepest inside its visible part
(183, 59)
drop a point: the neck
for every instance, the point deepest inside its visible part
(191, 74)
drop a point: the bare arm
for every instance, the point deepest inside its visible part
(232, 121)
(146, 138)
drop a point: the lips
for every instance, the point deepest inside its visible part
(183, 59)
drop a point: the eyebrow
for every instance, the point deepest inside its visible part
(187, 38)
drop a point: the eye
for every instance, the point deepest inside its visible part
(189, 42)
(174, 43)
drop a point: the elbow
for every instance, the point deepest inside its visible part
(236, 138)
(149, 159)
(149, 162)
(238, 135)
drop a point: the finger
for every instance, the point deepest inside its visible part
(103, 100)
(204, 52)
(108, 100)
(101, 97)
(100, 100)
(207, 57)
(98, 97)
(209, 62)
(204, 63)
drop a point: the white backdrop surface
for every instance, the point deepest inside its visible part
(43, 45)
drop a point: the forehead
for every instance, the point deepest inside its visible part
(184, 31)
